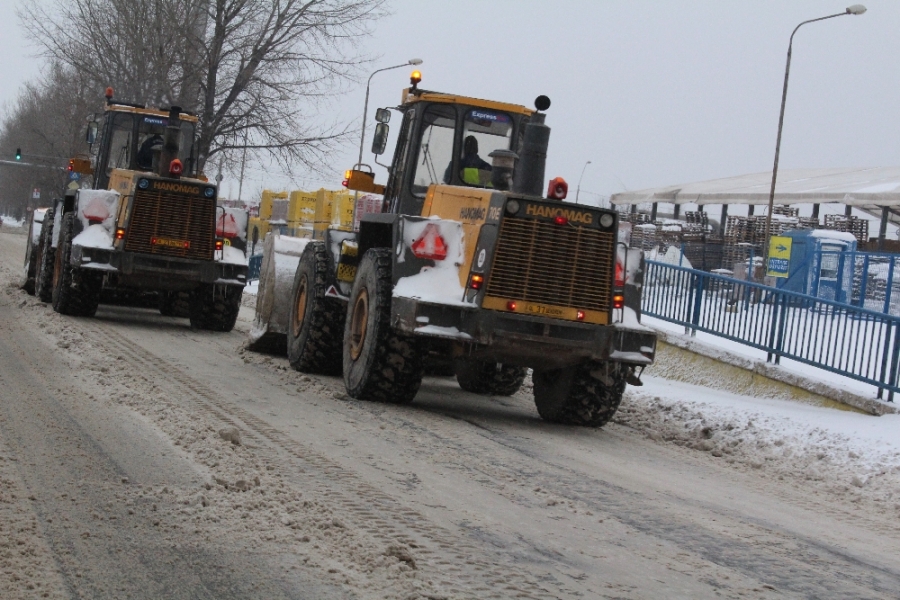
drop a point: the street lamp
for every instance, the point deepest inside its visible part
(362, 139)
(578, 189)
(856, 9)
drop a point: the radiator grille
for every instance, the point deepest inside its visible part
(175, 217)
(562, 265)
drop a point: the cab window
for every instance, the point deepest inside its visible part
(435, 158)
(121, 144)
(483, 132)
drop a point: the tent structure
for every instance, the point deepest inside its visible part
(875, 190)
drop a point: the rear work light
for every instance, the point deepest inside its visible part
(557, 189)
(430, 245)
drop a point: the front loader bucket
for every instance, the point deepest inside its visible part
(281, 254)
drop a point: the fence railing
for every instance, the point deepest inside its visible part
(849, 340)
(255, 265)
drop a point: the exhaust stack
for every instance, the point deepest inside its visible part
(529, 175)
(170, 142)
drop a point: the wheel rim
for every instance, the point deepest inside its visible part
(300, 307)
(358, 324)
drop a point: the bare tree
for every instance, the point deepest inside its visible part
(255, 70)
(47, 121)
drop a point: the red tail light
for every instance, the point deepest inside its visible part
(560, 220)
(618, 301)
(220, 244)
(120, 234)
(580, 315)
(511, 305)
(476, 281)
(430, 245)
(620, 275)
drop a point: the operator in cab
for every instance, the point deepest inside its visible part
(473, 170)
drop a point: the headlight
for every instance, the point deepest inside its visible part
(209, 192)
(143, 183)
(512, 207)
(606, 220)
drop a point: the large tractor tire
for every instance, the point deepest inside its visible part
(489, 378)
(379, 363)
(76, 292)
(215, 308)
(32, 259)
(315, 337)
(174, 304)
(43, 275)
(572, 396)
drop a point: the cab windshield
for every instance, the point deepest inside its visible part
(150, 135)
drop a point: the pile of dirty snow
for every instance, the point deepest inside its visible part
(824, 450)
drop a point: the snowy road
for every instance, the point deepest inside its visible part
(116, 483)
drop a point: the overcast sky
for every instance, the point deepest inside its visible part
(652, 93)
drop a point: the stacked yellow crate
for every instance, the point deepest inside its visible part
(301, 213)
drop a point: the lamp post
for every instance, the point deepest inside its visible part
(856, 9)
(362, 139)
(578, 189)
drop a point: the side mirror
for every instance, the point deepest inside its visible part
(91, 135)
(383, 115)
(379, 141)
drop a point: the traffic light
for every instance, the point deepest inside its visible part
(18, 154)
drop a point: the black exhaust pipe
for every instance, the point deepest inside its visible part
(529, 175)
(170, 143)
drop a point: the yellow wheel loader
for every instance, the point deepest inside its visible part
(138, 218)
(468, 265)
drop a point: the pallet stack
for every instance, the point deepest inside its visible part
(858, 227)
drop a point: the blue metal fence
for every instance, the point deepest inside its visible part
(842, 338)
(255, 266)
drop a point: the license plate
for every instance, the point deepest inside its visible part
(545, 310)
(170, 243)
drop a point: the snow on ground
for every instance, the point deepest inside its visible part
(826, 450)
(10, 222)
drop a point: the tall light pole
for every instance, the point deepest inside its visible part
(856, 9)
(362, 139)
(578, 189)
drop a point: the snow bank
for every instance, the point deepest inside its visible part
(825, 450)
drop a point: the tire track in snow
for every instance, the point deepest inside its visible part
(457, 564)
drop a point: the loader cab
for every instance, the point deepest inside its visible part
(446, 140)
(130, 138)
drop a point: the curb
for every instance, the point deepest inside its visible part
(685, 359)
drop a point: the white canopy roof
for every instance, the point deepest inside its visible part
(868, 188)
